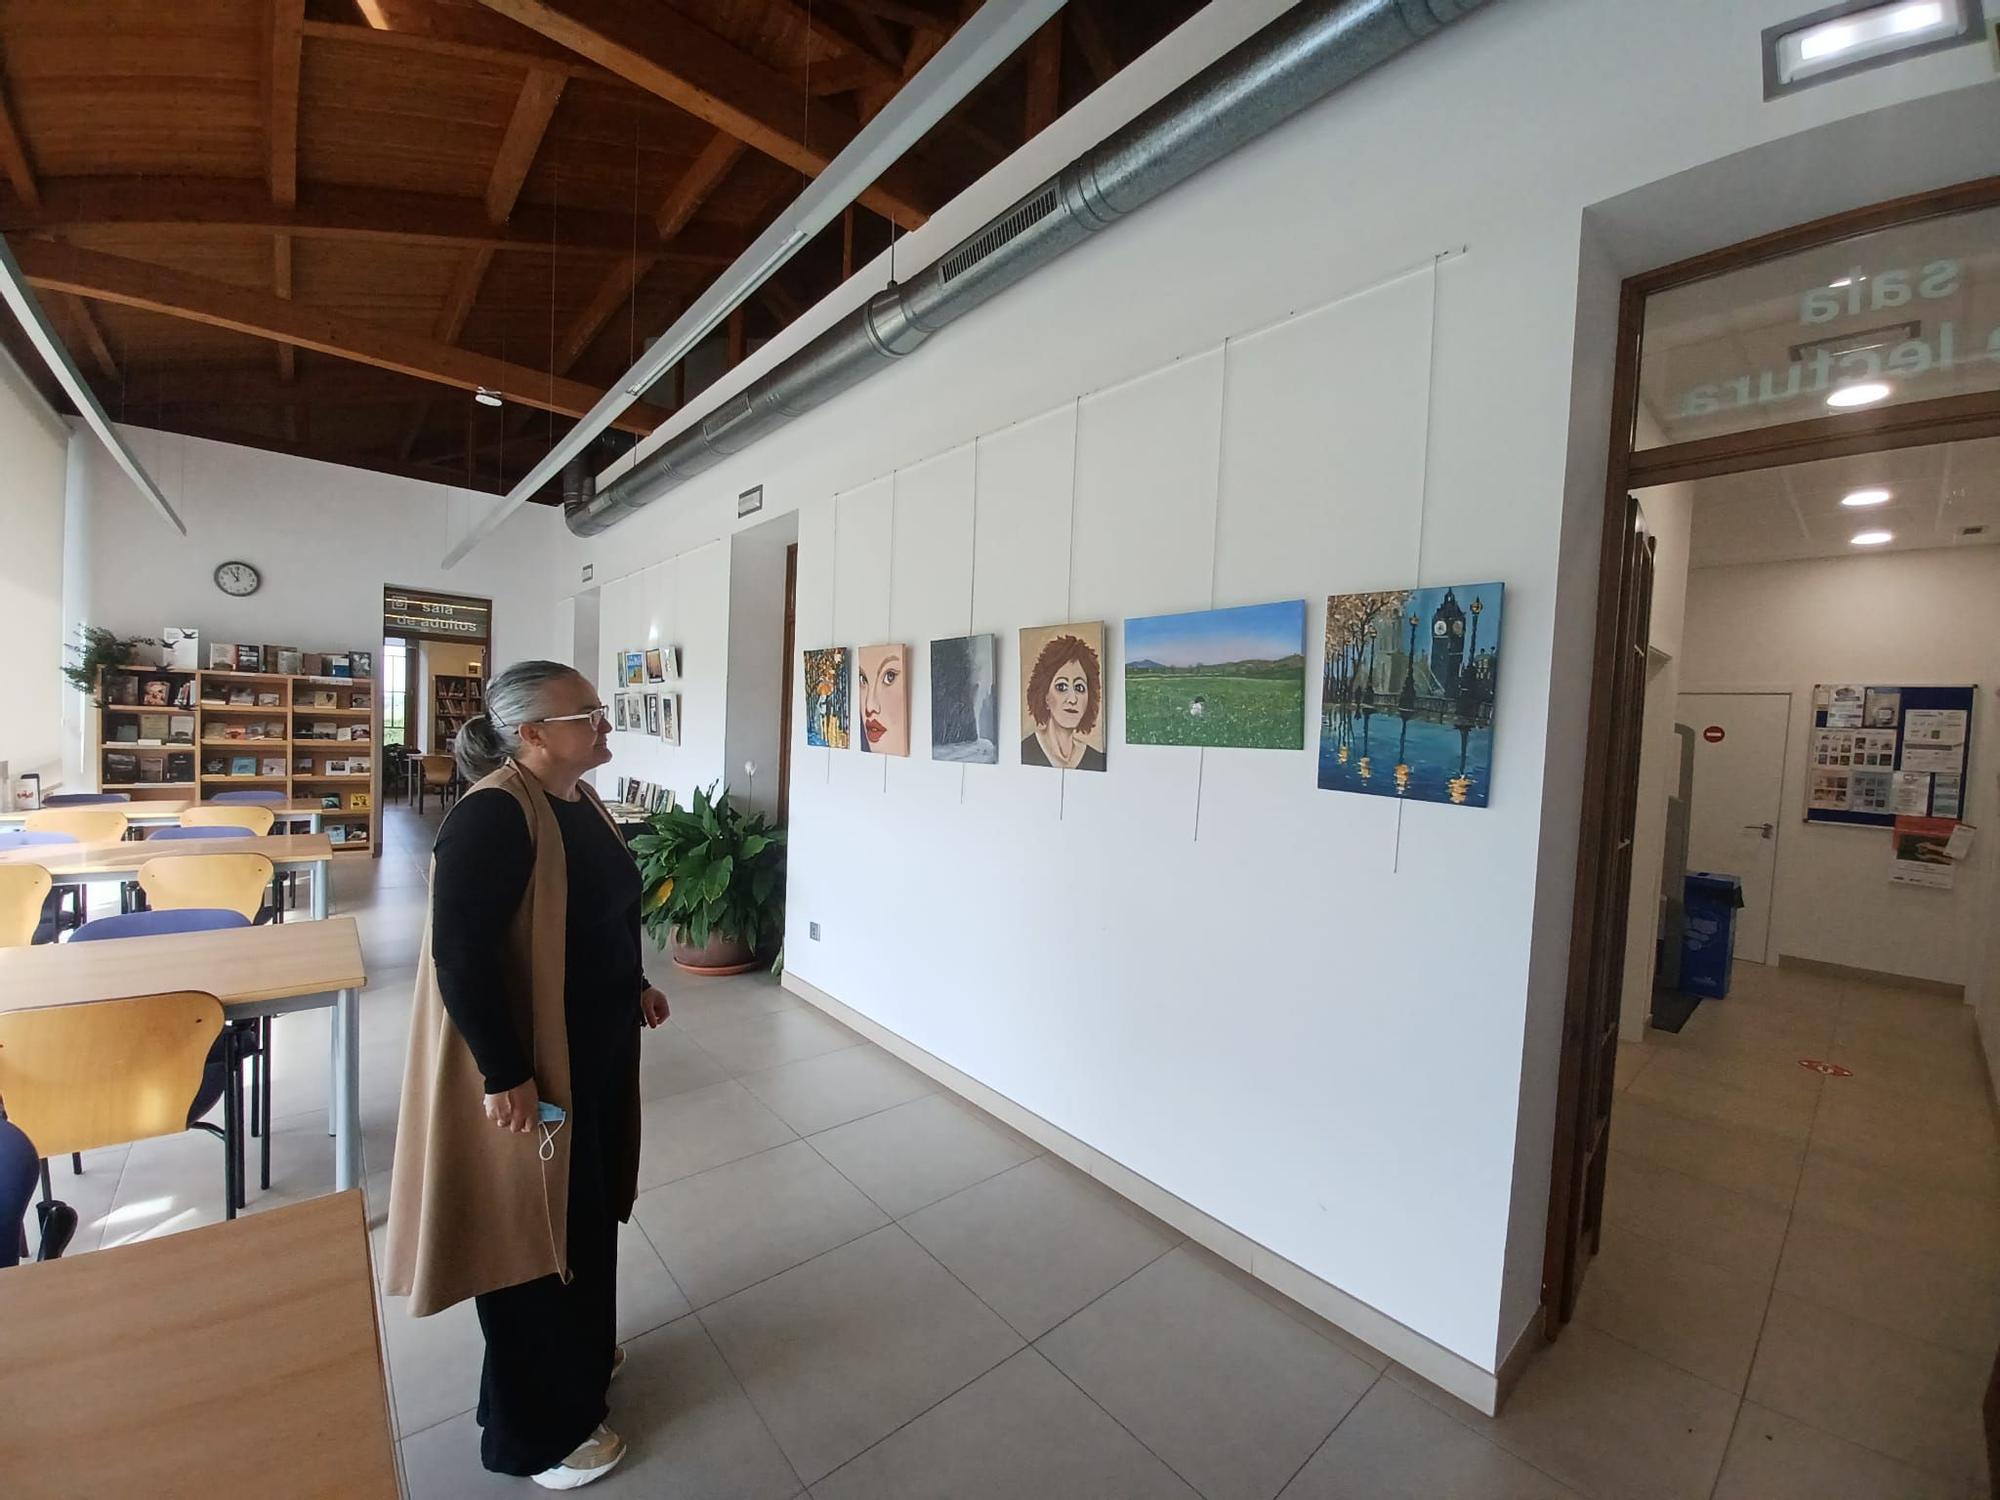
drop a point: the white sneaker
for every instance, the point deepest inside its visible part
(596, 1456)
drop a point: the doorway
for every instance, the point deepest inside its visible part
(1735, 812)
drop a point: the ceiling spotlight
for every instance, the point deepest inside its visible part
(1872, 538)
(1867, 393)
(487, 397)
(1861, 499)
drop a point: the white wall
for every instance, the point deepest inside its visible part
(325, 538)
(32, 481)
(1903, 617)
(1378, 1111)
(757, 663)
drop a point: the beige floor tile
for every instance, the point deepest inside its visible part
(1954, 1157)
(1759, 1164)
(1632, 1059)
(433, 1362)
(917, 1153)
(722, 1230)
(1772, 1076)
(1914, 1401)
(1608, 1420)
(698, 1001)
(1397, 1446)
(1695, 1316)
(749, 1043)
(1788, 1114)
(648, 1297)
(1961, 1230)
(1019, 1430)
(703, 1128)
(1697, 1218)
(1039, 1241)
(838, 1353)
(818, 1093)
(1228, 1390)
(1772, 1457)
(672, 1062)
(1934, 1069)
(1880, 1281)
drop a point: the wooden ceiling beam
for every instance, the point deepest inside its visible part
(458, 300)
(176, 294)
(154, 387)
(1044, 101)
(695, 70)
(692, 189)
(281, 286)
(620, 284)
(540, 92)
(281, 99)
(92, 337)
(907, 15)
(404, 36)
(14, 158)
(1093, 42)
(331, 212)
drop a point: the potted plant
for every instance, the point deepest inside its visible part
(714, 882)
(101, 648)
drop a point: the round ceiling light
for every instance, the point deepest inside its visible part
(1872, 538)
(1862, 499)
(1867, 393)
(487, 397)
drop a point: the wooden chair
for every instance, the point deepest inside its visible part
(109, 1072)
(233, 882)
(436, 773)
(87, 825)
(24, 890)
(253, 820)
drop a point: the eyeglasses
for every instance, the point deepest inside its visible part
(599, 715)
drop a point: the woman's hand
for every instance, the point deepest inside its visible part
(653, 1005)
(515, 1110)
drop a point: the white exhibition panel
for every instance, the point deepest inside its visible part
(1178, 960)
(682, 602)
(31, 581)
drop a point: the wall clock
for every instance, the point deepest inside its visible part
(237, 579)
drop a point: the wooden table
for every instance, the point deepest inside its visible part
(165, 811)
(118, 860)
(240, 1358)
(253, 971)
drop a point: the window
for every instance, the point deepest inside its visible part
(395, 692)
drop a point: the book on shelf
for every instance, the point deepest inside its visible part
(121, 690)
(151, 769)
(243, 765)
(344, 732)
(124, 732)
(153, 727)
(214, 693)
(290, 661)
(271, 765)
(329, 800)
(236, 729)
(312, 664)
(363, 732)
(180, 729)
(302, 765)
(183, 643)
(358, 767)
(242, 697)
(184, 694)
(362, 700)
(214, 765)
(156, 692)
(324, 729)
(339, 665)
(180, 765)
(221, 657)
(120, 769)
(334, 768)
(325, 698)
(362, 664)
(358, 802)
(267, 697)
(249, 658)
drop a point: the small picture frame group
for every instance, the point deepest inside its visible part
(648, 796)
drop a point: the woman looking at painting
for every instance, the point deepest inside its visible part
(1064, 691)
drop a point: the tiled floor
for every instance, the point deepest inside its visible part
(840, 1282)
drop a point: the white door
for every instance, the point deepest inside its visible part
(1739, 772)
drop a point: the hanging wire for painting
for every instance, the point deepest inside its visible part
(889, 623)
(972, 607)
(1214, 551)
(1423, 489)
(1069, 581)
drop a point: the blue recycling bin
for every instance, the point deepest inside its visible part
(1709, 937)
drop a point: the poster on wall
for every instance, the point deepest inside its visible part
(635, 669)
(1947, 796)
(1408, 692)
(1846, 706)
(882, 691)
(618, 719)
(1906, 753)
(670, 718)
(655, 670)
(1062, 696)
(1226, 677)
(965, 699)
(1910, 792)
(1869, 791)
(1882, 708)
(827, 697)
(1828, 790)
(652, 713)
(1919, 853)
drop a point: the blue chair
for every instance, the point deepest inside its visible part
(222, 1075)
(84, 799)
(203, 831)
(19, 1167)
(20, 838)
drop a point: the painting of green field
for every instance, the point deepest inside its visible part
(1223, 677)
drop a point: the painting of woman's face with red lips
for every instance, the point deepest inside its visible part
(882, 683)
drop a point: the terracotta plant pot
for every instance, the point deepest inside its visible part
(719, 955)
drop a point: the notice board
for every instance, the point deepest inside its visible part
(1878, 753)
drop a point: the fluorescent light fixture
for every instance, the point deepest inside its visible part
(1872, 538)
(486, 397)
(996, 31)
(1866, 393)
(14, 288)
(1862, 499)
(1862, 33)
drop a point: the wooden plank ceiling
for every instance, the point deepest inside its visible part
(318, 225)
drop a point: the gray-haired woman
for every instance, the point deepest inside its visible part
(517, 1150)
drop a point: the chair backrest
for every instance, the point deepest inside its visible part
(23, 889)
(21, 838)
(20, 1170)
(105, 1072)
(205, 831)
(249, 797)
(155, 923)
(438, 769)
(87, 825)
(84, 799)
(256, 821)
(235, 882)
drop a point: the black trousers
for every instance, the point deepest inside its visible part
(549, 1344)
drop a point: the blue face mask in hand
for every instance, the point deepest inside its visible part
(552, 1121)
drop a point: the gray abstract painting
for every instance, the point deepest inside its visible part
(965, 699)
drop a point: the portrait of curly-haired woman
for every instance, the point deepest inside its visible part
(1062, 696)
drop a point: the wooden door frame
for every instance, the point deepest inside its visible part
(1913, 424)
(785, 692)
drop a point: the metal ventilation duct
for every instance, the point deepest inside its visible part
(1307, 53)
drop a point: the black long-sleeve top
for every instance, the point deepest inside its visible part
(484, 861)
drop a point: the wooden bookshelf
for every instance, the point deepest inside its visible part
(287, 725)
(454, 699)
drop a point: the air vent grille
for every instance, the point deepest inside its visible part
(1013, 226)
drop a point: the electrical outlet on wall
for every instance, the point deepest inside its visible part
(812, 931)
